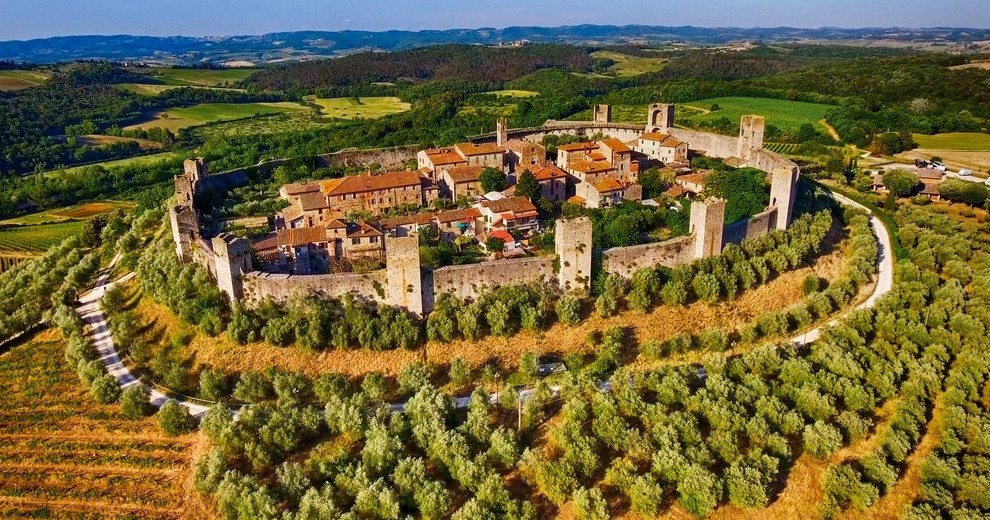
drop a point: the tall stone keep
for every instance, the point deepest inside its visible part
(707, 221)
(783, 193)
(196, 168)
(185, 227)
(402, 267)
(232, 259)
(603, 114)
(751, 130)
(501, 132)
(660, 118)
(573, 247)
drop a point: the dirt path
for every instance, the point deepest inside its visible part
(831, 129)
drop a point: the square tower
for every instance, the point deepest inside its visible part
(573, 248)
(402, 267)
(603, 114)
(660, 118)
(707, 222)
(783, 193)
(751, 130)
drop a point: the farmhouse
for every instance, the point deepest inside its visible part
(509, 213)
(661, 147)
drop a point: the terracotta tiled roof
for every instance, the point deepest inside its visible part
(926, 173)
(518, 145)
(545, 172)
(672, 143)
(578, 147)
(513, 204)
(694, 178)
(616, 146)
(596, 156)
(312, 201)
(468, 149)
(591, 167)
(502, 235)
(576, 200)
(931, 188)
(369, 183)
(269, 242)
(674, 191)
(298, 188)
(443, 156)
(465, 173)
(420, 219)
(292, 213)
(654, 136)
(293, 237)
(608, 185)
(362, 229)
(458, 215)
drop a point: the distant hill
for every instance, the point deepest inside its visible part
(294, 46)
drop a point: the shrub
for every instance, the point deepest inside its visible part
(134, 402)
(569, 310)
(174, 419)
(821, 439)
(589, 504)
(460, 371)
(811, 284)
(105, 389)
(412, 377)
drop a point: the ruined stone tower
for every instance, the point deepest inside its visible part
(233, 259)
(196, 169)
(185, 228)
(707, 220)
(573, 247)
(603, 114)
(405, 279)
(751, 130)
(660, 118)
(783, 193)
(501, 132)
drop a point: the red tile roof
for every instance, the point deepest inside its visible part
(545, 172)
(591, 167)
(443, 156)
(362, 229)
(510, 204)
(578, 147)
(298, 188)
(370, 183)
(458, 215)
(312, 201)
(466, 173)
(654, 136)
(616, 146)
(502, 235)
(293, 237)
(608, 185)
(469, 149)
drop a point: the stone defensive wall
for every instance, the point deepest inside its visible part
(406, 284)
(367, 287)
(467, 281)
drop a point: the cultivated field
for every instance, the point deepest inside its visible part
(64, 456)
(35, 233)
(957, 150)
(290, 121)
(514, 93)
(954, 141)
(130, 161)
(360, 108)
(626, 65)
(200, 77)
(99, 140)
(11, 80)
(786, 115)
(176, 119)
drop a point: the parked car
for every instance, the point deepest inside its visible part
(937, 166)
(965, 172)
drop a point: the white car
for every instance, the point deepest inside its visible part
(965, 172)
(938, 166)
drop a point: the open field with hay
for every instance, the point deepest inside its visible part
(626, 65)
(34, 234)
(11, 80)
(62, 455)
(957, 150)
(360, 108)
(198, 77)
(514, 93)
(954, 141)
(176, 119)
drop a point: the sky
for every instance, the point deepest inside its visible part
(26, 19)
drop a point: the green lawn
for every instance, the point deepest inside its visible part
(626, 65)
(954, 141)
(364, 108)
(786, 115)
(11, 80)
(201, 77)
(514, 93)
(176, 119)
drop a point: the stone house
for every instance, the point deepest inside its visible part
(521, 155)
(608, 192)
(693, 182)
(460, 181)
(374, 193)
(661, 147)
(458, 223)
(509, 213)
(553, 181)
(408, 224)
(486, 155)
(432, 159)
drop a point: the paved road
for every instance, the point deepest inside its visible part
(100, 334)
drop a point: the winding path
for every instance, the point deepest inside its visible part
(99, 334)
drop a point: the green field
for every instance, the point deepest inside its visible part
(199, 77)
(11, 80)
(954, 141)
(786, 115)
(620, 114)
(139, 160)
(514, 93)
(361, 108)
(291, 121)
(626, 65)
(37, 239)
(176, 119)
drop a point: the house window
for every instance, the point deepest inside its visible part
(355, 241)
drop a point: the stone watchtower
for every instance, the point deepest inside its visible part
(405, 279)
(751, 130)
(783, 193)
(660, 118)
(501, 132)
(603, 114)
(185, 229)
(573, 248)
(707, 221)
(233, 260)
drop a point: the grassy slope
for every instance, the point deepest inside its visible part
(954, 141)
(11, 80)
(39, 231)
(368, 108)
(178, 118)
(626, 65)
(787, 115)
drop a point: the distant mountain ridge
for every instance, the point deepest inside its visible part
(292, 46)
